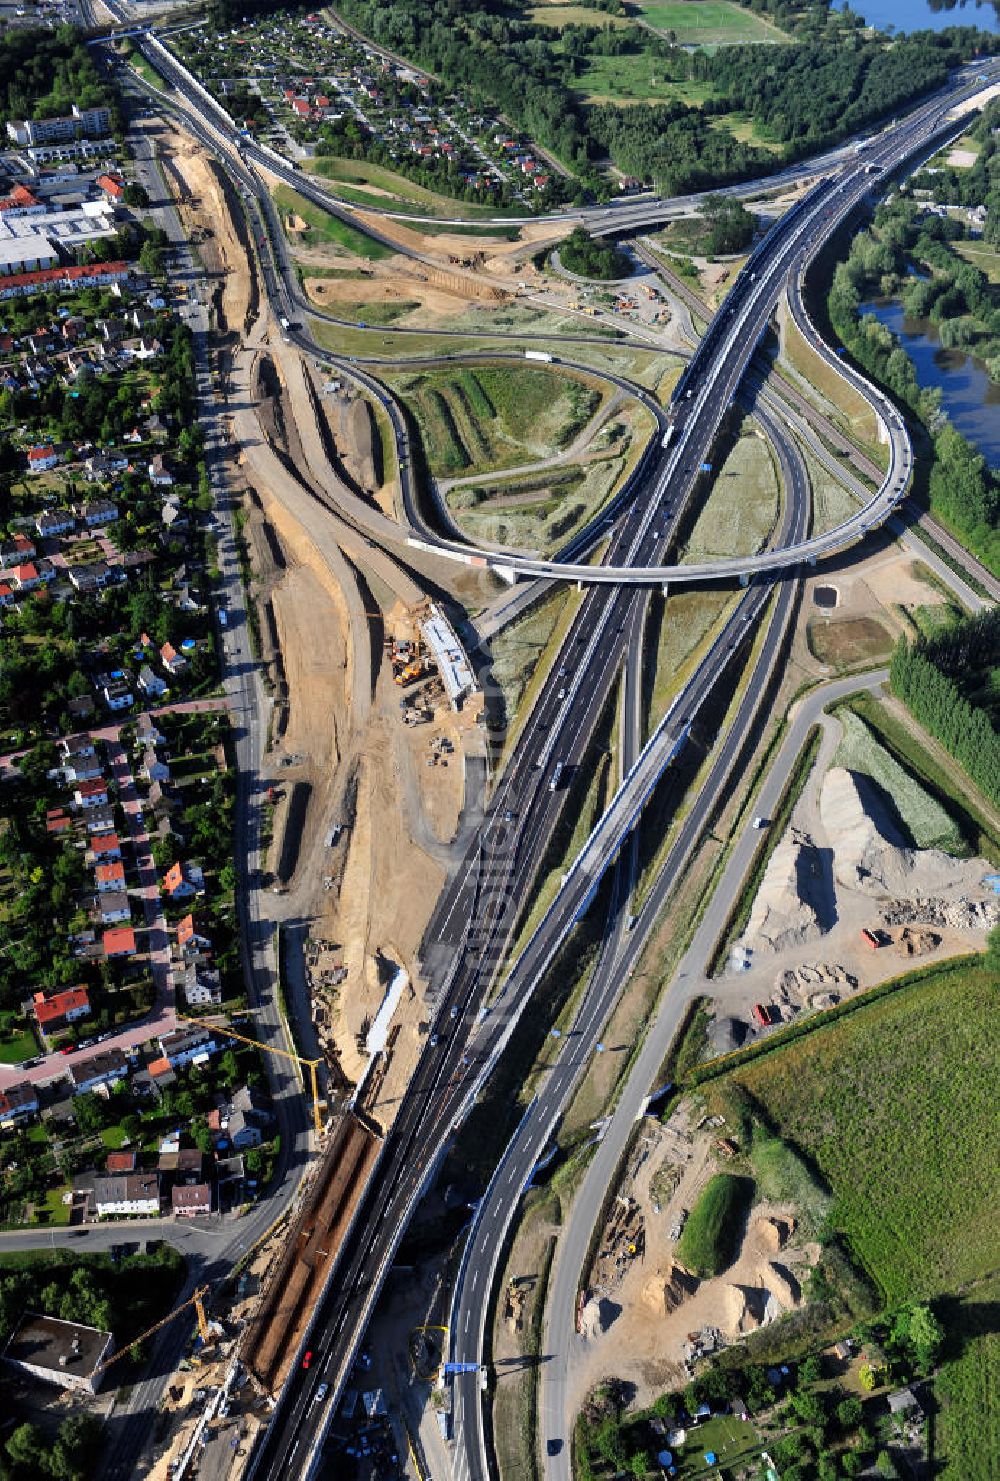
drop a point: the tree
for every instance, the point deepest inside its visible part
(135, 194)
(27, 1451)
(90, 1112)
(849, 1413)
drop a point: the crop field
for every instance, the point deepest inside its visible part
(967, 1388)
(847, 641)
(323, 229)
(473, 421)
(895, 1105)
(708, 1242)
(742, 507)
(927, 822)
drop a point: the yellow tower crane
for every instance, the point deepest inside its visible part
(269, 1049)
(197, 1301)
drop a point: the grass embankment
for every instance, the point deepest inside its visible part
(742, 906)
(965, 1430)
(940, 781)
(321, 228)
(928, 824)
(849, 406)
(368, 184)
(475, 421)
(893, 1103)
(710, 1236)
(742, 507)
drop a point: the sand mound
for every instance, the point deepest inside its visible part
(781, 1284)
(772, 1234)
(789, 905)
(870, 856)
(664, 1291)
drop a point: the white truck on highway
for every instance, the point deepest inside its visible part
(539, 355)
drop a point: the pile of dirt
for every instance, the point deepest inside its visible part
(916, 940)
(870, 856)
(664, 1291)
(789, 907)
(956, 915)
(774, 1233)
(797, 983)
(727, 1034)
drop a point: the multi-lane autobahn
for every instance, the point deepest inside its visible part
(475, 922)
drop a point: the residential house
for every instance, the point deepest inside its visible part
(191, 1199)
(18, 1103)
(244, 1131)
(146, 732)
(26, 577)
(113, 907)
(110, 876)
(55, 522)
(905, 1402)
(57, 821)
(66, 1354)
(190, 939)
(92, 793)
(54, 1011)
(160, 475)
(120, 1162)
(113, 187)
(103, 1068)
(173, 516)
(116, 690)
(100, 512)
(173, 662)
(182, 881)
(80, 708)
(160, 800)
(79, 763)
(100, 819)
(16, 551)
(201, 985)
(188, 1046)
(41, 459)
(104, 849)
(91, 576)
(127, 1195)
(153, 769)
(119, 942)
(151, 683)
(184, 1163)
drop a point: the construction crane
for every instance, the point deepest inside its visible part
(270, 1049)
(197, 1301)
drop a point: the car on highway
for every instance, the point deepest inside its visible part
(307, 1359)
(554, 1447)
(321, 1393)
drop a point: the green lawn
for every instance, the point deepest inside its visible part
(895, 1104)
(708, 22)
(708, 1242)
(113, 1138)
(323, 227)
(17, 1042)
(742, 505)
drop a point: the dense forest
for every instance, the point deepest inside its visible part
(931, 677)
(834, 80)
(43, 73)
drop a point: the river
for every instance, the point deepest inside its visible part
(926, 15)
(970, 398)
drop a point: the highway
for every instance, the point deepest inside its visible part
(479, 913)
(477, 916)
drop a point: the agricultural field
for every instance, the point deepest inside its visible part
(321, 229)
(743, 506)
(475, 421)
(967, 1425)
(927, 822)
(895, 1105)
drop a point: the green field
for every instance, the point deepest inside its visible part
(324, 228)
(895, 1105)
(473, 421)
(742, 507)
(709, 1239)
(927, 822)
(967, 1426)
(708, 22)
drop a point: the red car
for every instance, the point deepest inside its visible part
(307, 1360)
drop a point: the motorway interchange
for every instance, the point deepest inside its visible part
(475, 921)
